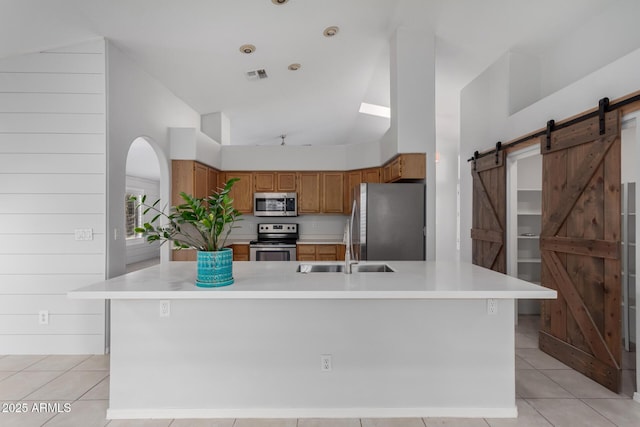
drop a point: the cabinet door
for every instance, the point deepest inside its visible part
(413, 166)
(371, 175)
(242, 191)
(326, 253)
(309, 190)
(182, 179)
(201, 180)
(286, 182)
(386, 173)
(184, 254)
(351, 180)
(306, 252)
(212, 182)
(333, 192)
(264, 182)
(240, 252)
(395, 169)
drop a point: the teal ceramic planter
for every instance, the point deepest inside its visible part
(215, 268)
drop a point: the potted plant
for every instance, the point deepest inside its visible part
(202, 224)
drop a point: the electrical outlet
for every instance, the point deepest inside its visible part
(43, 317)
(492, 306)
(325, 362)
(165, 308)
(83, 234)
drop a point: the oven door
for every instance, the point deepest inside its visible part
(272, 253)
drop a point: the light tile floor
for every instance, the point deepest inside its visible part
(70, 391)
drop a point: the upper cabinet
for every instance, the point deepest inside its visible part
(264, 182)
(318, 192)
(333, 192)
(351, 180)
(281, 182)
(405, 167)
(192, 178)
(371, 175)
(309, 191)
(242, 190)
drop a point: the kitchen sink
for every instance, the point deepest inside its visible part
(320, 268)
(374, 268)
(339, 268)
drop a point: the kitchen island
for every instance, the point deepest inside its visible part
(429, 339)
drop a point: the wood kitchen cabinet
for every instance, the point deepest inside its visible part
(184, 255)
(351, 180)
(309, 192)
(242, 190)
(264, 182)
(320, 192)
(212, 181)
(284, 182)
(332, 192)
(407, 166)
(240, 252)
(190, 177)
(322, 252)
(306, 252)
(371, 175)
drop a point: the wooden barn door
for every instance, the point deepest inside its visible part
(580, 248)
(489, 212)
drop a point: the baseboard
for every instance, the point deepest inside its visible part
(168, 413)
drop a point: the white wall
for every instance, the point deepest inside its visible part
(138, 105)
(599, 40)
(52, 181)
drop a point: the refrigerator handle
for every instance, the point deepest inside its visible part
(353, 212)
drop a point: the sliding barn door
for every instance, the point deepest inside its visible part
(580, 248)
(489, 212)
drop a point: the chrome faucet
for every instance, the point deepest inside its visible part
(348, 263)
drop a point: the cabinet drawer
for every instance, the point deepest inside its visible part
(326, 250)
(307, 249)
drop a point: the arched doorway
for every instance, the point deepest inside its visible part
(143, 178)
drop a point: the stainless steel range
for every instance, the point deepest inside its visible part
(276, 242)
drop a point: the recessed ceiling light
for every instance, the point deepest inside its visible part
(330, 31)
(375, 110)
(247, 48)
(294, 67)
(279, 2)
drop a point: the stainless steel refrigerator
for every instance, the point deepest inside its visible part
(388, 222)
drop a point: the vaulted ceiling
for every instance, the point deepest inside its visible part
(192, 47)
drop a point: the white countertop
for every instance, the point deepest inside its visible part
(279, 280)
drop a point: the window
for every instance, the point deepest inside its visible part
(133, 215)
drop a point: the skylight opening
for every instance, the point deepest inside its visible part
(375, 110)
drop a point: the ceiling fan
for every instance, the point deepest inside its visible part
(283, 143)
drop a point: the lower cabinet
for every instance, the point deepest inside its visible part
(320, 252)
(184, 255)
(240, 252)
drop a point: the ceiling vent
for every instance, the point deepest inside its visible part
(257, 74)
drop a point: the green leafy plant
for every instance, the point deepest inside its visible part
(199, 223)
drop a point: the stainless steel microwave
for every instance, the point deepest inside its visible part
(275, 204)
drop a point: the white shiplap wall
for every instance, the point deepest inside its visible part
(52, 181)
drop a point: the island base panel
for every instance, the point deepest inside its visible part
(261, 358)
